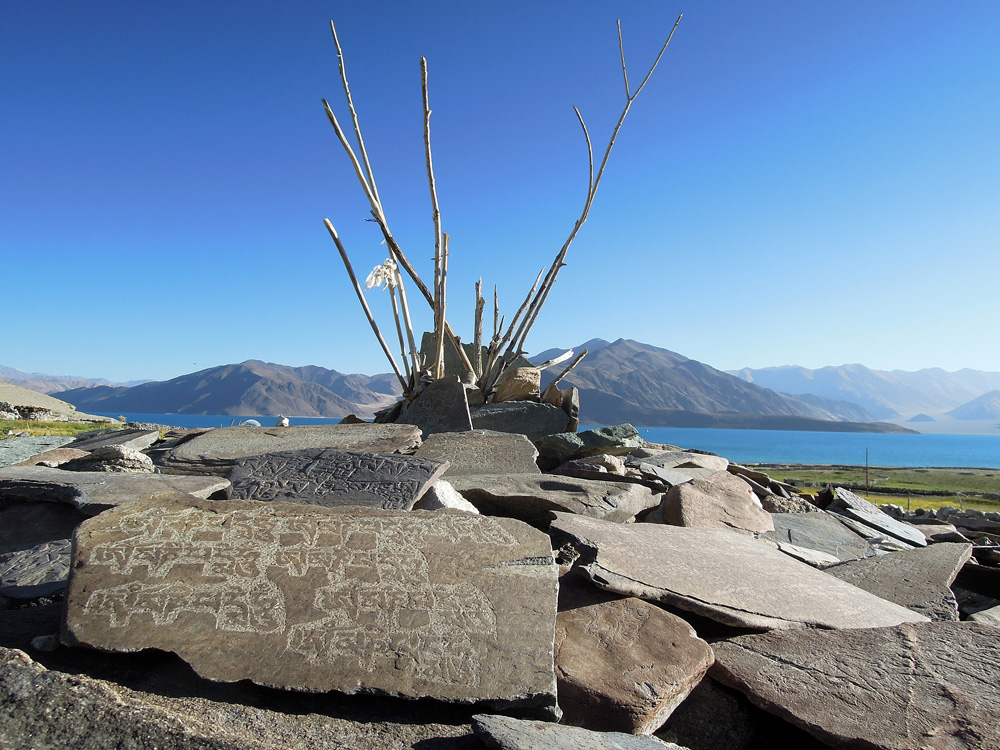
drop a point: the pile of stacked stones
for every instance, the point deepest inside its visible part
(395, 585)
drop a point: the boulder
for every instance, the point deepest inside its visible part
(442, 495)
(819, 531)
(442, 604)
(216, 451)
(96, 491)
(331, 477)
(622, 664)
(918, 579)
(520, 384)
(505, 733)
(616, 440)
(441, 407)
(118, 459)
(914, 685)
(719, 574)
(530, 497)
(720, 501)
(481, 452)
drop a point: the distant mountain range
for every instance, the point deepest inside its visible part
(620, 381)
(895, 394)
(626, 381)
(251, 387)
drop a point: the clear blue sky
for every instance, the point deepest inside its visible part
(800, 183)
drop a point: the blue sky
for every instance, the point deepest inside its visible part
(799, 183)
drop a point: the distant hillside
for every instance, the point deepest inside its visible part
(986, 406)
(629, 381)
(251, 387)
(884, 394)
(42, 383)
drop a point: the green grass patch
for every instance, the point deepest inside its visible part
(37, 429)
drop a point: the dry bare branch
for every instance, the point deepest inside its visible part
(569, 369)
(555, 360)
(477, 338)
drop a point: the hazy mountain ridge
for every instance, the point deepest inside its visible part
(251, 387)
(630, 381)
(986, 406)
(896, 394)
(42, 383)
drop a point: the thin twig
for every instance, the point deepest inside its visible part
(399, 333)
(477, 338)
(621, 48)
(364, 303)
(569, 369)
(442, 309)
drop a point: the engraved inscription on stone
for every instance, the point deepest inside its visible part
(330, 477)
(353, 599)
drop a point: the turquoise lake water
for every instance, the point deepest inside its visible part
(748, 446)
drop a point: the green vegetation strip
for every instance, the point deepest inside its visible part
(36, 429)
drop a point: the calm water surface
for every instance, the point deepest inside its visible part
(746, 446)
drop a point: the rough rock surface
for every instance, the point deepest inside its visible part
(720, 574)
(215, 451)
(530, 497)
(520, 384)
(935, 685)
(51, 710)
(857, 508)
(918, 579)
(52, 458)
(35, 572)
(95, 491)
(315, 599)
(521, 417)
(442, 495)
(119, 459)
(622, 664)
(505, 733)
(720, 501)
(687, 460)
(481, 452)
(14, 450)
(565, 446)
(331, 477)
(819, 531)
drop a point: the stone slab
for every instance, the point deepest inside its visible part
(687, 460)
(622, 664)
(989, 616)
(916, 685)
(531, 497)
(819, 531)
(523, 417)
(128, 438)
(25, 525)
(53, 457)
(441, 604)
(441, 407)
(857, 508)
(40, 570)
(96, 491)
(720, 501)
(331, 477)
(719, 574)
(481, 452)
(216, 451)
(918, 579)
(505, 733)
(565, 446)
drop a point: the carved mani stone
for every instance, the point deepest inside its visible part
(331, 477)
(439, 604)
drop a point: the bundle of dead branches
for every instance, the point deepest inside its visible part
(489, 363)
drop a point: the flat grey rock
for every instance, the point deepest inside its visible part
(331, 477)
(719, 501)
(17, 449)
(523, 417)
(819, 531)
(858, 509)
(128, 438)
(505, 733)
(54, 457)
(670, 477)
(720, 574)
(686, 460)
(481, 452)
(441, 604)
(916, 685)
(25, 525)
(989, 616)
(530, 497)
(96, 491)
(216, 451)
(918, 579)
(565, 446)
(58, 711)
(40, 570)
(622, 664)
(441, 407)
